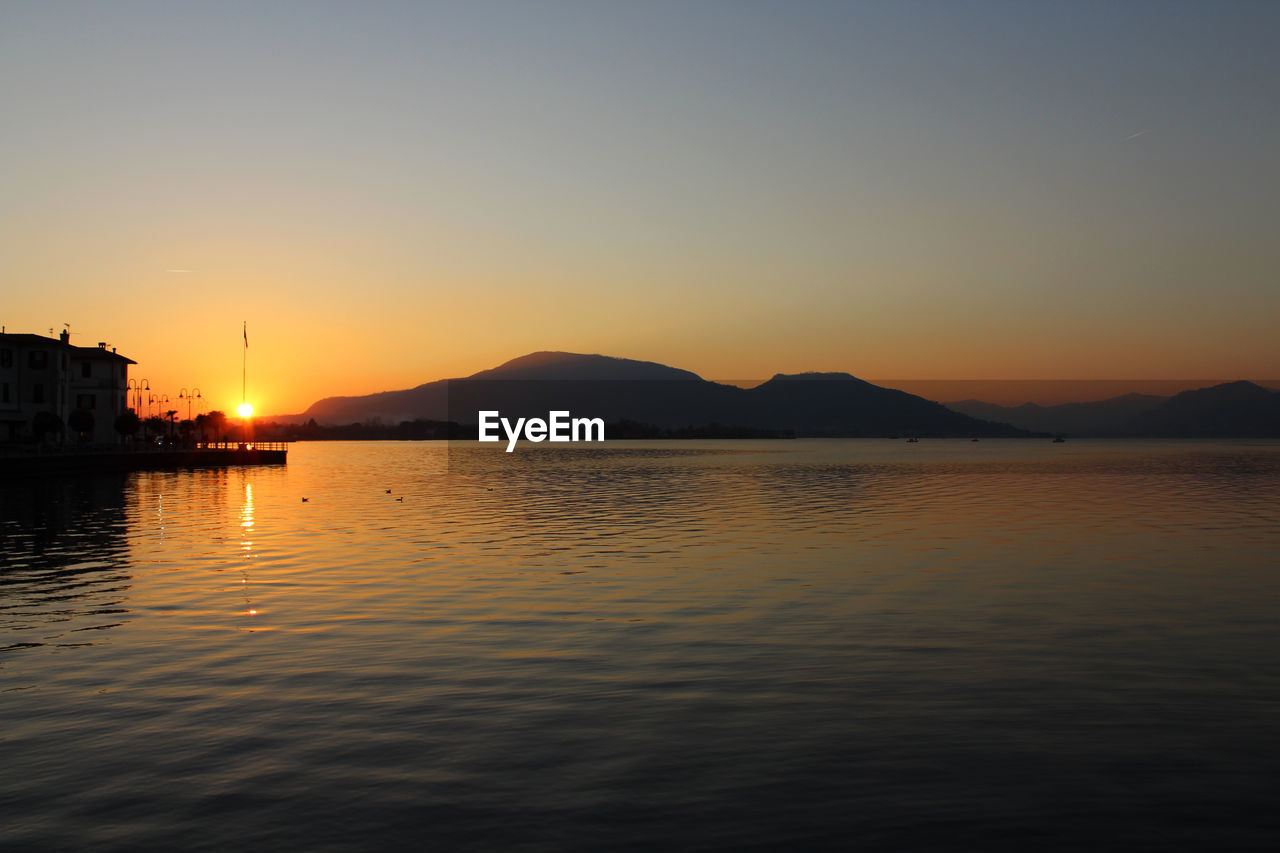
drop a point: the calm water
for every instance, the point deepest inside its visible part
(737, 645)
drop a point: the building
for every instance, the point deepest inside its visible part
(43, 381)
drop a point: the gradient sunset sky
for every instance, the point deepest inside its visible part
(395, 192)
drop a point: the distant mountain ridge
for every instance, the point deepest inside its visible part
(1097, 418)
(831, 404)
(1232, 409)
(1229, 410)
(808, 404)
(549, 365)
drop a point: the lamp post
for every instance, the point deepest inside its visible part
(137, 387)
(161, 401)
(151, 399)
(195, 392)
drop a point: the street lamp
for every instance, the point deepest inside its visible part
(195, 392)
(151, 399)
(157, 400)
(137, 387)
(161, 402)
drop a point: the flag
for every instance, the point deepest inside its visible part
(246, 334)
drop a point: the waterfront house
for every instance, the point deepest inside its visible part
(43, 381)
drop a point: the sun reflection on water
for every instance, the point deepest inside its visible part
(246, 521)
(246, 546)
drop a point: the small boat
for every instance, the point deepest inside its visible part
(1059, 440)
(913, 441)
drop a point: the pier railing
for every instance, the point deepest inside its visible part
(242, 445)
(14, 450)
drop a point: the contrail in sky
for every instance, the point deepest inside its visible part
(1134, 135)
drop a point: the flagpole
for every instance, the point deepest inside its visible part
(244, 359)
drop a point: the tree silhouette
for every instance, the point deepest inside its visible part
(81, 421)
(127, 424)
(45, 423)
(217, 421)
(155, 425)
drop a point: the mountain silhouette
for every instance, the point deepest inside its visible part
(619, 389)
(1228, 410)
(837, 404)
(1233, 409)
(555, 366)
(1103, 417)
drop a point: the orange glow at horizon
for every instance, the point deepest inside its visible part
(386, 209)
(301, 354)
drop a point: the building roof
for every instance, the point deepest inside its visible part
(99, 352)
(93, 353)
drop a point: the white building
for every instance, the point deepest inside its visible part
(39, 374)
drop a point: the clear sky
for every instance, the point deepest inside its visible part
(395, 192)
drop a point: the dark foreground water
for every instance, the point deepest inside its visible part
(740, 645)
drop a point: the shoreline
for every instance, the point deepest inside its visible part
(95, 461)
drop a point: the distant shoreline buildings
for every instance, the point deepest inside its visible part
(65, 409)
(51, 388)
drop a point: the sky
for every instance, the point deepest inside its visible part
(395, 192)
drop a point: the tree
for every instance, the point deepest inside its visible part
(127, 424)
(45, 423)
(81, 421)
(217, 421)
(154, 425)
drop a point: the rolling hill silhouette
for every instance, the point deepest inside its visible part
(1229, 410)
(618, 389)
(1103, 417)
(1233, 409)
(556, 366)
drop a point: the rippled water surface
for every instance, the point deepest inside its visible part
(705, 645)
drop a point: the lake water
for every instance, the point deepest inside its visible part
(706, 645)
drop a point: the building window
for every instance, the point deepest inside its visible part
(6, 358)
(37, 359)
(37, 393)
(86, 369)
(85, 401)
(4, 396)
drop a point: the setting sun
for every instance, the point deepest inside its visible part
(245, 410)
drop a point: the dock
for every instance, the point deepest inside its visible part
(73, 460)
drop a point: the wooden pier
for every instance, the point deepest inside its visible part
(220, 454)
